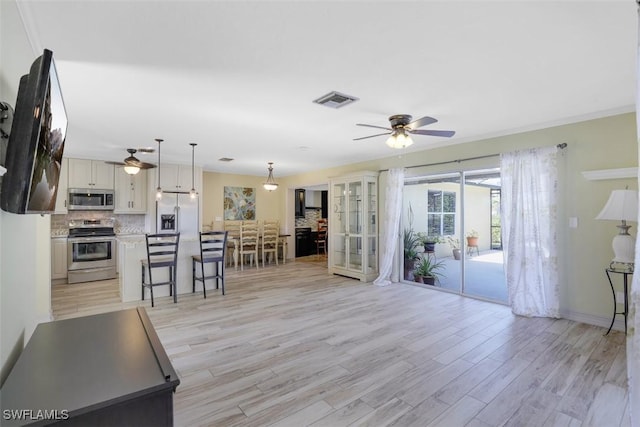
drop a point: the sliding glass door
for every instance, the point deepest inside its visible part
(451, 225)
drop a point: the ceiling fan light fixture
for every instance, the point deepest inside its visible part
(271, 184)
(399, 140)
(131, 170)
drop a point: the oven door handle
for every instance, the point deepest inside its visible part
(96, 239)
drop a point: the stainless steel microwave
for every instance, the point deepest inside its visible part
(83, 199)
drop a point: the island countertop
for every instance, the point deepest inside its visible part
(132, 249)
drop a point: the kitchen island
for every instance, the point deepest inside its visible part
(132, 249)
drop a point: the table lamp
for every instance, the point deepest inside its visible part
(622, 206)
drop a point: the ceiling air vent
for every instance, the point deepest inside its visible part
(335, 100)
(225, 159)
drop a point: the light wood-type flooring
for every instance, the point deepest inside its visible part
(294, 346)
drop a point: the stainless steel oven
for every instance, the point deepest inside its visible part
(91, 247)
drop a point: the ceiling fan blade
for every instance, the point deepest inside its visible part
(422, 121)
(114, 163)
(372, 136)
(373, 126)
(445, 133)
(144, 165)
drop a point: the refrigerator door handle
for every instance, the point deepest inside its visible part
(177, 210)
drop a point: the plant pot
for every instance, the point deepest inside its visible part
(472, 241)
(408, 268)
(429, 280)
(419, 279)
(456, 254)
(429, 247)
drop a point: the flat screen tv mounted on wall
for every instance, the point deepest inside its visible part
(36, 142)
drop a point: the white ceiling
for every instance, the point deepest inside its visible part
(239, 77)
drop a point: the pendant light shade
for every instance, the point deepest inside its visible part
(271, 184)
(158, 189)
(193, 194)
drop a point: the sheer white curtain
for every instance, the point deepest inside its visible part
(529, 214)
(633, 323)
(390, 225)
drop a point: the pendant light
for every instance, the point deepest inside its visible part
(271, 184)
(193, 192)
(159, 190)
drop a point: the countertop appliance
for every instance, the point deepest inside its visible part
(178, 212)
(91, 247)
(83, 199)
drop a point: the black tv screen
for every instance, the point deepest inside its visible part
(36, 142)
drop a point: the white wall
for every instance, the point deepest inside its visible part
(25, 252)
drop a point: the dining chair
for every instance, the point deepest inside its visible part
(270, 238)
(162, 251)
(249, 236)
(213, 246)
(321, 239)
(233, 240)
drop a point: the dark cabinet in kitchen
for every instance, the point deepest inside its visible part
(300, 202)
(324, 203)
(305, 242)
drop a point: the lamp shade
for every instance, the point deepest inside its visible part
(621, 206)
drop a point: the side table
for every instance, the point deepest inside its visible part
(625, 279)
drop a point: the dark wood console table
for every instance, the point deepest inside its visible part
(102, 370)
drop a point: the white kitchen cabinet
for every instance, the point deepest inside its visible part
(178, 178)
(58, 258)
(130, 192)
(353, 226)
(90, 174)
(62, 197)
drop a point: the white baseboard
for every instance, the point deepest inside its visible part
(590, 319)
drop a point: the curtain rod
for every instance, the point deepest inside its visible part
(561, 146)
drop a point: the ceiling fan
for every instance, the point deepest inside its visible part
(402, 126)
(131, 164)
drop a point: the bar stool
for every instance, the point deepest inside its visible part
(162, 251)
(321, 239)
(213, 247)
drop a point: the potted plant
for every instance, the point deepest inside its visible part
(430, 242)
(427, 269)
(472, 238)
(454, 242)
(411, 243)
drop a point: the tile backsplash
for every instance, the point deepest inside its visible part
(124, 224)
(311, 217)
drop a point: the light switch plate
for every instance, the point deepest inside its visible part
(573, 222)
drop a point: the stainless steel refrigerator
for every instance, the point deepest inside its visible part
(178, 212)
